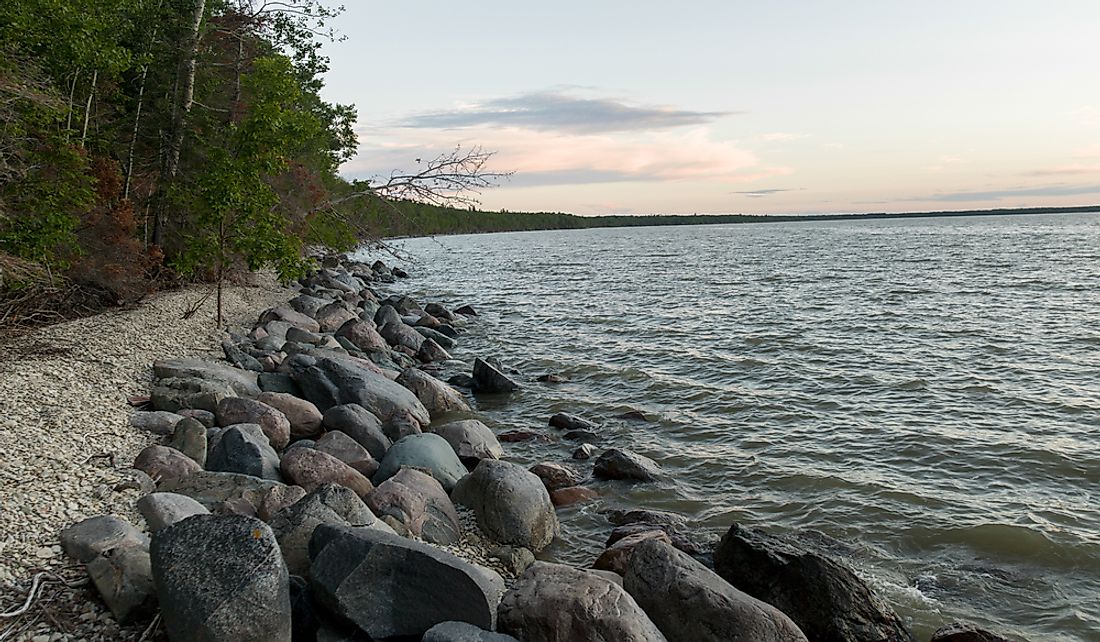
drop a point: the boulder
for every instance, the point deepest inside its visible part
(584, 451)
(214, 490)
(463, 632)
(177, 393)
(291, 316)
(962, 632)
(400, 334)
(386, 314)
(204, 417)
(431, 351)
(162, 463)
(279, 382)
(124, 578)
(466, 310)
(221, 578)
(276, 499)
(679, 536)
(516, 559)
(436, 396)
(511, 504)
(552, 378)
(243, 382)
(401, 424)
(362, 335)
(690, 603)
(426, 451)
(444, 340)
(572, 495)
(361, 425)
(309, 468)
(90, 538)
(190, 439)
(308, 305)
(161, 510)
(158, 422)
(419, 504)
(333, 381)
(421, 585)
(615, 463)
(438, 311)
(515, 436)
(347, 450)
(584, 436)
(304, 417)
(488, 379)
(326, 504)
(555, 476)
(237, 410)
(645, 516)
(615, 557)
(334, 315)
(238, 357)
(558, 603)
(566, 421)
(244, 449)
(471, 440)
(826, 599)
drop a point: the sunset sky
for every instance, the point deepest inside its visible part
(723, 107)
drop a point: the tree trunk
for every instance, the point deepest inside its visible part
(88, 108)
(134, 135)
(180, 111)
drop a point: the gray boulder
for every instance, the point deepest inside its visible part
(244, 449)
(124, 578)
(511, 504)
(360, 424)
(237, 410)
(90, 538)
(386, 314)
(555, 476)
(204, 417)
(558, 603)
(463, 632)
(471, 440)
(221, 578)
(334, 315)
(279, 382)
(347, 450)
(616, 557)
(308, 305)
(615, 463)
(826, 599)
(418, 503)
(243, 382)
(431, 351)
(291, 316)
(438, 310)
(362, 335)
(161, 510)
(401, 334)
(566, 421)
(310, 468)
(426, 451)
(158, 422)
(304, 417)
(488, 379)
(436, 396)
(690, 603)
(444, 340)
(238, 357)
(332, 381)
(392, 586)
(401, 424)
(190, 439)
(214, 490)
(177, 393)
(163, 464)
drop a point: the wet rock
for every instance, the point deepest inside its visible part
(962, 632)
(555, 476)
(556, 603)
(242, 382)
(615, 463)
(404, 304)
(336, 381)
(161, 510)
(466, 310)
(572, 495)
(326, 504)
(585, 436)
(437, 397)
(426, 451)
(177, 393)
(362, 335)
(427, 321)
(463, 632)
(163, 464)
(244, 449)
(645, 516)
(304, 417)
(461, 381)
(291, 316)
(826, 599)
(616, 556)
(489, 379)
(361, 425)
(444, 340)
(514, 436)
(429, 586)
(552, 378)
(310, 468)
(690, 603)
(584, 451)
(511, 504)
(158, 422)
(90, 538)
(276, 499)
(242, 593)
(349, 451)
(472, 440)
(124, 578)
(418, 502)
(431, 351)
(632, 415)
(680, 537)
(213, 490)
(237, 410)
(438, 311)
(565, 421)
(190, 439)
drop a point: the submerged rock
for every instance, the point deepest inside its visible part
(489, 379)
(566, 421)
(615, 463)
(961, 632)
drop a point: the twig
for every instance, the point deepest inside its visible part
(149, 630)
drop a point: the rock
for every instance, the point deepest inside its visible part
(309, 468)
(584, 451)
(401, 424)
(463, 632)
(961, 632)
(678, 535)
(632, 415)
(552, 378)
(466, 310)
(572, 495)
(276, 499)
(161, 510)
(124, 578)
(472, 441)
(489, 379)
(439, 337)
(334, 315)
(511, 504)
(326, 504)
(404, 304)
(291, 316)
(336, 381)
(162, 463)
(585, 436)
(437, 310)
(362, 335)
(213, 490)
(513, 436)
(436, 396)
(361, 425)
(279, 382)
(158, 422)
(418, 502)
(565, 421)
(616, 557)
(426, 451)
(307, 305)
(558, 603)
(515, 559)
(431, 351)
(555, 476)
(305, 616)
(304, 417)
(615, 463)
(349, 451)
(690, 603)
(386, 314)
(238, 357)
(190, 439)
(90, 538)
(427, 321)
(425, 585)
(204, 417)
(243, 382)
(400, 334)
(461, 381)
(244, 449)
(177, 393)
(241, 593)
(237, 410)
(826, 599)
(645, 516)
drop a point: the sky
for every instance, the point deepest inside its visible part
(779, 107)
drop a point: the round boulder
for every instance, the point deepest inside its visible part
(511, 504)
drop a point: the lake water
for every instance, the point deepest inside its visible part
(925, 391)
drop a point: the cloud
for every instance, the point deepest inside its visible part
(562, 112)
(781, 137)
(760, 193)
(1067, 170)
(996, 195)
